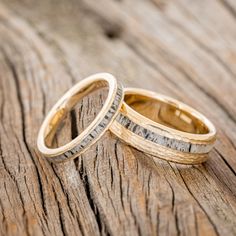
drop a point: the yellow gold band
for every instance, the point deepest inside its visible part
(94, 131)
(164, 127)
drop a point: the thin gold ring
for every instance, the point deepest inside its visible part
(164, 127)
(97, 127)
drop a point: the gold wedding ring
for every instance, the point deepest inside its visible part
(164, 127)
(97, 127)
(151, 122)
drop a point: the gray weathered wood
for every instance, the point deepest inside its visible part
(185, 49)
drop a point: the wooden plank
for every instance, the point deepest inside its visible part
(182, 48)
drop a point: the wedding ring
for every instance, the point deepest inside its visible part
(96, 128)
(164, 127)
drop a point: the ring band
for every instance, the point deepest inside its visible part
(164, 127)
(94, 131)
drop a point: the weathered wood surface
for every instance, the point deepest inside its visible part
(182, 48)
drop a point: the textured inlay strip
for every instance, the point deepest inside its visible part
(97, 130)
(151, 136)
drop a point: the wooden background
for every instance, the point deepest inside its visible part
(182, 48)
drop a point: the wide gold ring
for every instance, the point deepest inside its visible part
(97, 127)
(164, 127)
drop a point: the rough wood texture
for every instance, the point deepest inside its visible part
(182, 48)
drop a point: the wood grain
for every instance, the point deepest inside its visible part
(182, 48)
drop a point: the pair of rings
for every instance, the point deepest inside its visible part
(150, 122)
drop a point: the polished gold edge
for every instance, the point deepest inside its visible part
(208, 137)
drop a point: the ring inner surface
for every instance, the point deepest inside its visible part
(168, 114)
(86, 103)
